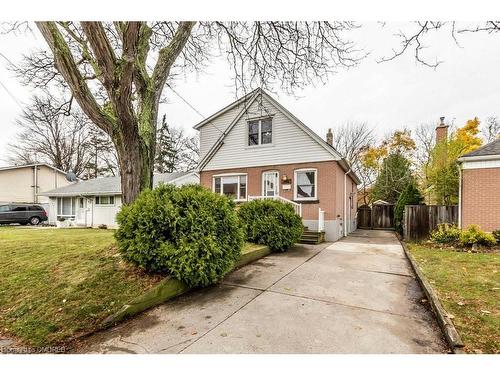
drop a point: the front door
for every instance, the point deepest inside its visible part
(270, 184)
(88, 212)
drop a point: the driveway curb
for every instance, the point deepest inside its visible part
(169, 288)
(445, 323)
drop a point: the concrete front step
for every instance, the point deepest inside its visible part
(312, 237)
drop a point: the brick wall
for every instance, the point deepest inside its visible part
(481, 198)
(330, 175)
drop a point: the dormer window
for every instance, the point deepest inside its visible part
(260, 132)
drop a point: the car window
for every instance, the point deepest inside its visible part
(4, 208)
(35, 208)
(19, 208)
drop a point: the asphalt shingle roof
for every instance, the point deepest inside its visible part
(106, 185)
(492, 148)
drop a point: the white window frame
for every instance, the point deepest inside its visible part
(73, 204)
(222, 176)
(277, 182)
(295, 181)
(104, 204)
(260, 144)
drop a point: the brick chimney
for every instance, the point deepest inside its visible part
(329, 137)
(441, 131)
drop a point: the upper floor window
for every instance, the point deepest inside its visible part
(260, 132)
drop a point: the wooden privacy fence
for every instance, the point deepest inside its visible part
(420, 220)
(378, 216)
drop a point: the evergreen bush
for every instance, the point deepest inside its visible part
(272, 223)
(409, 195)
(189, 232)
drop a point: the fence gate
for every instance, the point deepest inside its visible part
(365, 217)
(378, 216)
(383, 216)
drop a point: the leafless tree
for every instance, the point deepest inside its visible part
(491, 129)
(351, 139)
(117, 71)
(51, 132)
(413, 39)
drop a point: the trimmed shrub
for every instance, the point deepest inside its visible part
(272, 223)
(189, 232)
(496, 234)
(446, 234)
(409, 195)
(473, 235)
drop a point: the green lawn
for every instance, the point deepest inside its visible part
(58, 283)
(468, 286)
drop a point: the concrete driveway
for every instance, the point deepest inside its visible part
(357, 295)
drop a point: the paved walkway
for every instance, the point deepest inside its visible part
(357, 295)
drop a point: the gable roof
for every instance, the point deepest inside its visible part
(248, 100)
(30, 166)
(489, 149)
(108, 185)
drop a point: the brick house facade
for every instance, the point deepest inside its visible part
(479, 198)
(255, 148)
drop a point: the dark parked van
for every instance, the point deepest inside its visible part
(22, 213)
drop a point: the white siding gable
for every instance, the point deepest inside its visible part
(290, 143)
(211, 132)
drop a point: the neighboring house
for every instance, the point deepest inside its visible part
(96, 201)
(255, 148)
(479, 195)
(23, 183)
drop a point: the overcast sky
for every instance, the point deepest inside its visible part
(391, 95)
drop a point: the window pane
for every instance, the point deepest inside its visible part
(217, 185)
(253, 127)
(66, 206)
(305, 184)
(253, 133)
(266, 131)
(230, 188)
(97, 200)
(81, 203)
(111, 200)
(243, 187)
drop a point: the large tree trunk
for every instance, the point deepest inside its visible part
(136, 153)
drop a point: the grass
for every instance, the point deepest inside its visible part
(468, 285)
(58, 283)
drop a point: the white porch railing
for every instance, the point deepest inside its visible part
(296, 206)
(321, 220)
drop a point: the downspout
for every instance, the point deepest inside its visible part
(35, 183)
(345, 201)
(460, 196)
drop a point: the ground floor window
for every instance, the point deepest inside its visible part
(306, 181)
(104, 200)
(66, 207)
(231, 186)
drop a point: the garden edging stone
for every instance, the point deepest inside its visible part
(445, 323)
(169, 288)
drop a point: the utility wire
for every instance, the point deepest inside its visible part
(11, 95)
(185, 101)
(5, 87)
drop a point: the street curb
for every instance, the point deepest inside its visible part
(445, 323)
(169, 288)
